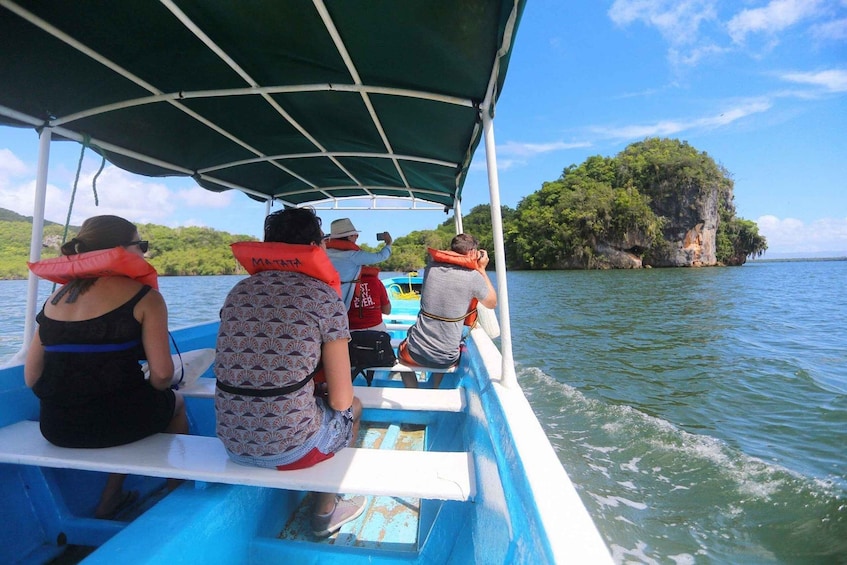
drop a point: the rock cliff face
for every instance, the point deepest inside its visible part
(625, 254)
(613, 257)
(692, 216)
(691, 213)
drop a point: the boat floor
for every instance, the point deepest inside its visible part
(387, 522)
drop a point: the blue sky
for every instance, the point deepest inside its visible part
(760, 85)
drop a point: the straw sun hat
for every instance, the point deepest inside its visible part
(342, 228)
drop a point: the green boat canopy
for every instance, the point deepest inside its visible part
(299, 101)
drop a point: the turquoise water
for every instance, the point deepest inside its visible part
(701, 413)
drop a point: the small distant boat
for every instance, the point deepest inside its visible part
(328, 103)
(405, 295)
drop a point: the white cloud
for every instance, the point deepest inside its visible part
(695, 31)
(771, 19)
(10, 166)
(516, 149)
(694, 55)
(118, 192)
(123, 194)
(791, 236)
(515, 154)
(666, 128)
(834, 80)
(196, 197)
(134, 197)
(678, 21)
(835, 30)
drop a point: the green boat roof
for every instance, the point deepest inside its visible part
(301, 101)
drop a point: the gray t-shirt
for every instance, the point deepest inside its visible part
(447, 292)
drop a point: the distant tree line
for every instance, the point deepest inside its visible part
(601, 200)
(173, 251)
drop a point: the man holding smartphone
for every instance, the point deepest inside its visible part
(348, 258)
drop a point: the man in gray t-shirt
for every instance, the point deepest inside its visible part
(451, 281)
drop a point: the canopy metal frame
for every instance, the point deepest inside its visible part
(375, 106)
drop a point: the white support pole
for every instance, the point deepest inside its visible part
(35, 241)
(457, 217)
(509, 378)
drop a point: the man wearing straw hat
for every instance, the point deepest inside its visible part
(348, 258)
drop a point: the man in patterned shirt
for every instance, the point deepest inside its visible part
(278, 327)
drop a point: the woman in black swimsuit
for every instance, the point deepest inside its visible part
(83, 363)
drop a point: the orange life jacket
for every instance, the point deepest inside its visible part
(460, 260)
(453, 258)
(311, 260)
(114, 262)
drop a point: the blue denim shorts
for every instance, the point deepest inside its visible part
(335, 433)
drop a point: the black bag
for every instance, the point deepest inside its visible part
(369, 348)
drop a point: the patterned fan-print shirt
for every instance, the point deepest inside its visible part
(272, 327)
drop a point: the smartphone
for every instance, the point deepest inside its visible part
(381, 236)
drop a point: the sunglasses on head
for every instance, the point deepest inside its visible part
(142, 244)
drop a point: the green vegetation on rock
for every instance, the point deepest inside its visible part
(659, 202)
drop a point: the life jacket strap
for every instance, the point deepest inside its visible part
(443, 319)
(266, 392)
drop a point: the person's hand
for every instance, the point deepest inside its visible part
(483, 259)
(388, 239)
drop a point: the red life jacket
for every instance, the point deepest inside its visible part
(342, 245)
(460, 260)
(367, 270)
(311, 260)
(114, 262)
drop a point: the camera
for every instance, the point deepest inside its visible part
(381, 236)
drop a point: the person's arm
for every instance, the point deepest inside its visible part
(34, 364)
(490, 300)
(368, 258)
(153, 315)
(336, 360)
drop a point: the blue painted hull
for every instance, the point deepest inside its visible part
(48, 509)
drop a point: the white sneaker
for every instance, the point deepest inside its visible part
(324, 525)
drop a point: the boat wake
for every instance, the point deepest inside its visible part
(660, 493)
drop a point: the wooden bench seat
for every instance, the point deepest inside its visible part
(439, 400)
(422, 474)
